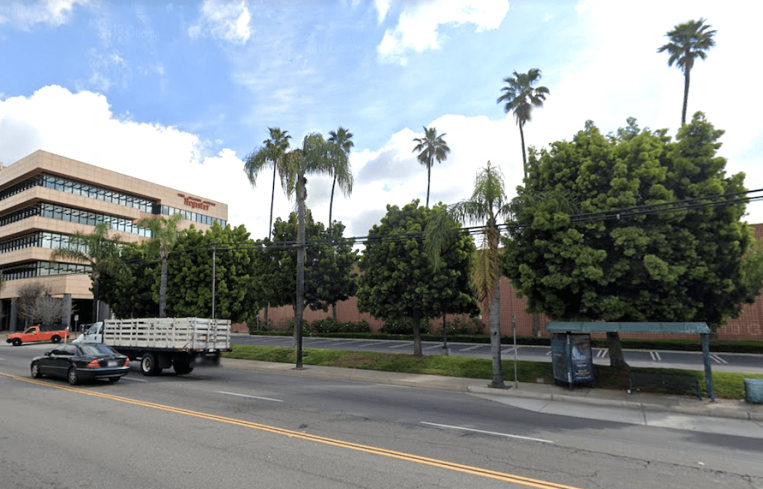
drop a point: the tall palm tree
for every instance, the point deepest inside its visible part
(272, 152)
(430, 148)
(520, 97)
(312, 158)
(688, 41)
(341, 144)
(487, 204)
(97, 250)
(165, 232)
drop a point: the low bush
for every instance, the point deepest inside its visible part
(331, 325)
(403, 326)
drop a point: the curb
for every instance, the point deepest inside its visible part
(720, 409)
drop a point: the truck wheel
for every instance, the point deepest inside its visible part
(16, 342)
(182, 367)
(56, 339)
(149, 365)
(73, 377)
(36, 370)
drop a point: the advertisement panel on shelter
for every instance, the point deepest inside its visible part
(580, 359)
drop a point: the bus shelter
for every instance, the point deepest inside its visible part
(572, 328)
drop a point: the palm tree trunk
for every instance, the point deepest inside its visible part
(524, 155)
(300, 267)
(331, 201)
(686, 97)
(272, 198)
(429, 180)
(163, 290)
(536, 324)
(494, 315)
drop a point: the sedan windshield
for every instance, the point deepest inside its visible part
(97, 350)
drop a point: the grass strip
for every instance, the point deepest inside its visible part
(727, 385)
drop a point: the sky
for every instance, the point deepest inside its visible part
(179, 93)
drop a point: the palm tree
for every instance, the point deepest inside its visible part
(312, 158)
(431, 147)
(520, 97)
(487, 204)
(165, 232)
(341, 143)
(97, 250)
(271, 153)
(688, 41)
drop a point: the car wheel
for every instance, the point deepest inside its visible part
(73, 377)
(16, 342)
(148, 365)
(36, 370)
(182, 367)
(56, 339)
(114, 380)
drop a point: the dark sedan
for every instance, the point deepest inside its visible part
(77, 363)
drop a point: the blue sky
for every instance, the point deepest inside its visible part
(180, 92)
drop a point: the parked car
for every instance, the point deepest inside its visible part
(77, 363)
(42, 332)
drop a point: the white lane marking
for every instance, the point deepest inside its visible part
(508, 350)
(431, 347)
(717, 358)
(602, 353)
(488, 432)
(127, 377)
(399, 346)
(250, 397)
(370, 344)
(549, 353)
(655, 356)
(472, 348)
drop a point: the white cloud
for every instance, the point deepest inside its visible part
(82, 126)
(418, 24)
(225, 20)
(26, 14)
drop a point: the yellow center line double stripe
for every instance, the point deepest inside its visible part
(466, 469)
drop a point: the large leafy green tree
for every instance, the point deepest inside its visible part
(341, 143)
(399, 279)
(680, 260)
(431, 147)
(688, 41)
(487, 206)
(520, 97)
(165, 232)
(128, 289)
(236, 265)
(98, 250)
(329, 275)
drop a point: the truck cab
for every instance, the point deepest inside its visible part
(93, 334)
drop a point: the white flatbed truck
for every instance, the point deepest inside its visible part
(159, 343)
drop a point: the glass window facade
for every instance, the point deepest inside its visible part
(42, 269)
(60, 213)
(188, 215)
(41, 239)
(78, 188)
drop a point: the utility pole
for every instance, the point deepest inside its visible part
(214, 259)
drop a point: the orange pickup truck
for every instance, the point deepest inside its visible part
(37, 334)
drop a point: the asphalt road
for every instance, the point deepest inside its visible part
(729, 362)
(221, 427)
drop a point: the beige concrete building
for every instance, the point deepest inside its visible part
(46, 198)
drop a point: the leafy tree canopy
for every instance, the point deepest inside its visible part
(128, 289)
(687, 264)
(398, 277)
(329, 276)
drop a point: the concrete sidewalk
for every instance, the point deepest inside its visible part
(604, 404)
